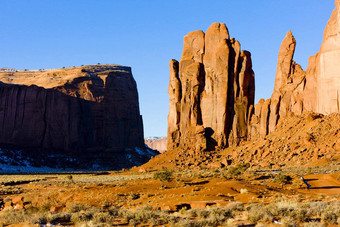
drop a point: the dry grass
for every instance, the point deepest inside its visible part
(291, 213)
(321, 210)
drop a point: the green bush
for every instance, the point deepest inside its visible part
(164, 175)
(238, 170)
(282, 179)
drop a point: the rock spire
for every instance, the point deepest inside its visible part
(211, 91)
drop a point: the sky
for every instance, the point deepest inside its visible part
(146, 34)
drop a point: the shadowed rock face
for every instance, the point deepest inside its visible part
(211, 91)
(81, 110)
(297, 91)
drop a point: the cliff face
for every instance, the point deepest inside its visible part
(323, 84)
(296, 91)
(211, 91)
(73, 110)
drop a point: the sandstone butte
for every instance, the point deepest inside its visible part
(212, 89)
(297, 91)
(85, 110)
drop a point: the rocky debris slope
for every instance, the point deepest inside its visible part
(159, 144)
(306, 140)
(211, 91)
(90, 111)
(297, 91)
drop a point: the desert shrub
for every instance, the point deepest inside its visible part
(46, 206)
(301, 214)
(32, 210)
(81, 217)
(39, 218)
(193, 223)
(133, 222)
(77, 207)
(192, 213)
(297, 182)
(289, 222)
(329, 217)
(102, 217)
(268, 217)
(164, 175)
(217, 216)
(114, 212)
(260, 225)
(230, 223)
(255, 213)
(316, 208)
(57, 218)
(203, 213)
(282, 179)
(215, 220)
(134, 196)
(283, 208)
(225, 213)
(236, 206)
(171, 219)
(12, 216)
(238, 170)
(156, 222)
(144, 214)
(126, 214)
(313, 224)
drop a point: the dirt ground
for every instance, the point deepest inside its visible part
(186, 190)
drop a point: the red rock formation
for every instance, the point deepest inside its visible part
(296, 91)
(323, 72)
(78, 110)
(211, 92)
(287, 97)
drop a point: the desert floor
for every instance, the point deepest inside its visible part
(211, 197)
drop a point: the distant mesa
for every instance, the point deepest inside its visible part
(89, 111)
(211, 91)
(156, 143)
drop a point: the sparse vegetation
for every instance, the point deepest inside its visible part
(282, 179)
(163, 176)
(238, 170)
(129, 190)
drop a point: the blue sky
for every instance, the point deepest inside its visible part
(146, 34)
